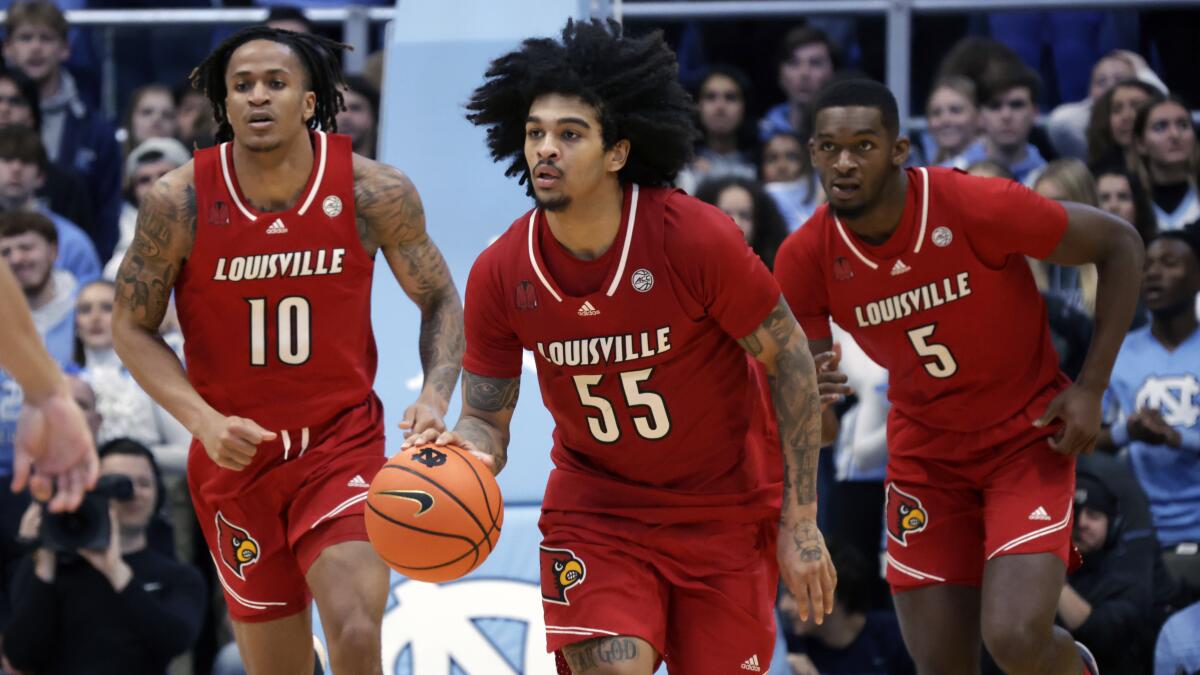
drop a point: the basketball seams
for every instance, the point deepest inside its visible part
(487, 502)
(446, 492)
(474, 546)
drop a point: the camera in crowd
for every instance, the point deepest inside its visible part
(89, 526)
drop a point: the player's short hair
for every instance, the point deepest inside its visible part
(40, 12)
(861, 93)
(17, 223)
(632, 82)
(1189, 235)
(803, 36)
(319, 56)
(23, 145)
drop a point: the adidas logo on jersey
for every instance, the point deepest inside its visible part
(358, 482)
(751, 664)
(586, 309)
(277, 227)
(1039, 514)
(900, 268)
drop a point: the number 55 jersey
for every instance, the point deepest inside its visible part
(637, 359)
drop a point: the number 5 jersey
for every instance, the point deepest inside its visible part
(275, 307)
(651, 395)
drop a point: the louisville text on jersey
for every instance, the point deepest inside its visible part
(607, 349)
(271, 265)
(918, 299)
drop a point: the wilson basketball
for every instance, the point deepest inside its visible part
(434, 512)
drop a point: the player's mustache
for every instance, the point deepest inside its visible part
(546, 163)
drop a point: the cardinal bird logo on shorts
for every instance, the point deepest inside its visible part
(561, 570)
(237, 548)
(905, 514)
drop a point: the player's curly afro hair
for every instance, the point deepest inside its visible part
(318, 55)
(632, 82)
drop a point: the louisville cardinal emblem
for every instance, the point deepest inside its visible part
(561, 570)
(238, 549)
(905, 514)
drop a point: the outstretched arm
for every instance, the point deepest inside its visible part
(780, 344)
(390, 215)
(1093, 236)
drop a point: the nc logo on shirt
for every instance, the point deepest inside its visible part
(1174, 396)
(238, 549)
(905, 514)
(561, 570)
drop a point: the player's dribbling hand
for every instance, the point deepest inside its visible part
(806, 568)
(423, 415)
(232, 442)
(831, 382)
(435, 437)
(1079, 410)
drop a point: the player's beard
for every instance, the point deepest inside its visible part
(554, 204)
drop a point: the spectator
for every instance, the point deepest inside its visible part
(1110, 129)
(953, 116)
(1007, 119)
(851, 640)
(751, 209)
(148, 162)
(74, 136)
(1067, 124)
(64, 191)
(789, 178)
(1168, 161)
(727, 137)
(288, 17)
(193, 117)
(1153, 398)
(21, 162)
(1121, 194)
(127, 609)
(1178, 651)
(360, 118)
(1067, 180)
(29, 244)
(151, 114)
(1107, 604)
(806, 61)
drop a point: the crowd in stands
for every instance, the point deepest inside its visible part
(1114, 130)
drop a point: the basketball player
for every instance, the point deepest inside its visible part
(927, 269)
(53, 452)
(659, 526)
(268, 241)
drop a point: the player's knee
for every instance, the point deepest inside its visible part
(1014, 643)
(351, 635)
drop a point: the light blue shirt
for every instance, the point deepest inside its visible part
(1178, 648)
(1147, 375)
(76, 253)
(1021, 171)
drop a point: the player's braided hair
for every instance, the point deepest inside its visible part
(319, 55)
(632, 82)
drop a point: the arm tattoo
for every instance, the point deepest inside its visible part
(797, 405)
(390, 217)
(490, 394)
(166, 225)
(597, 653)
(484, 397)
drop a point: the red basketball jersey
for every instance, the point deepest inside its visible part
(651, 395)
(275, 307)
(947, 304)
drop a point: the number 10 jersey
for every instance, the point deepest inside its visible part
(275, 307)
(651, 395)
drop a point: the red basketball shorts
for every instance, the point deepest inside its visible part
(266, 524)
(956, 500)
(702, 595)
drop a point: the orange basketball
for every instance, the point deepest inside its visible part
(434, 512)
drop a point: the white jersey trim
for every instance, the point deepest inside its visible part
(912, 571)
(237, 201)
(251, 604)
(533, 259)
(341, 507)
(321, 154)
(633, 203)
(920, 234)
(578, 630)
(1030, 536)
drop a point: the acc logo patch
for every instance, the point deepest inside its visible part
(237, 548)
(642, 280)
(942, 237)
(332, 206)
(562, 570)
(905, 514)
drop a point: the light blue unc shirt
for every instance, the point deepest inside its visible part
(1147, 375)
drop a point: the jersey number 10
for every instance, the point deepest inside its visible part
(293, 330)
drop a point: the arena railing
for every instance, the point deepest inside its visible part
(898, 15)
(356, 23)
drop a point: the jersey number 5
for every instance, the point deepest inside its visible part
(293, 330)
(604, 428)
(943, 365)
